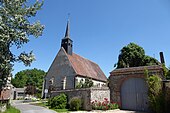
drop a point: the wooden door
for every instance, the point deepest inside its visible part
(134, 94)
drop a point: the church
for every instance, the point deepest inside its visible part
(68, 68)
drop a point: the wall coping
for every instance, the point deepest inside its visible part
(82, 89)
(135, 70)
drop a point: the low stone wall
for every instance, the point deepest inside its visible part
(86, 95)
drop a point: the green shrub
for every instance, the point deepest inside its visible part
(105, 105)
(155, 93)
(58, 102)
(75, 103)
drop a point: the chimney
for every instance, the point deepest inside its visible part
(162, 57)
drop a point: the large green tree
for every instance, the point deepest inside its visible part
(133, 55)
(27, 77)
(15, 29)
(30, 78)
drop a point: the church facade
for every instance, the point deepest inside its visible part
(68, 68)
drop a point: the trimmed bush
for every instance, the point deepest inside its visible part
(75, 104)
(58, 102)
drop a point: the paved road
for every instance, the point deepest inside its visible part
(27, 108)
(108, 111)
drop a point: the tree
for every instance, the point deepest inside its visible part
(15, 29)
(30, 90)
(133, 55)
(29, 77)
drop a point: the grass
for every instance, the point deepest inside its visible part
(45, 104)
(61, 110)
(12, 110)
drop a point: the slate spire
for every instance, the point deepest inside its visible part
(67, 34)
(66, 42)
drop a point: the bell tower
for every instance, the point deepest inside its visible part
(66, 42)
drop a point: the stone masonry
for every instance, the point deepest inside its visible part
(118, 76)
(87, 95)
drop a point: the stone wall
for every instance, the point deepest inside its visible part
(118, 76)
(86, 95)
(60, 69)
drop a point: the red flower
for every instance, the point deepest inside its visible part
(92, 102)
(105, 99)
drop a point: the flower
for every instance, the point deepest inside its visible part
(104, 105)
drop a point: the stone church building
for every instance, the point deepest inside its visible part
(68, 68)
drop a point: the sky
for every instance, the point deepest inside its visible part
(99, 29)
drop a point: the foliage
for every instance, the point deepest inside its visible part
(75, 103)
(29, 77)
(61, 110)
(12, 110)
(105, 105)
(58, 102)
(166, 72)
(156, 98)
(30, 90)
(15, 29)
(87, 84)
(133, 55)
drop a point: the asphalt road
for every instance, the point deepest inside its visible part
(27, 108)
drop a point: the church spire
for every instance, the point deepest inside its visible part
(67, 34)
(66, 42)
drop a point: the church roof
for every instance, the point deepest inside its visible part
(86, 68)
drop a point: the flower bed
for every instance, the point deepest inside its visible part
(105, 105)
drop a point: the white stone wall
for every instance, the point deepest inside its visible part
(87, 95)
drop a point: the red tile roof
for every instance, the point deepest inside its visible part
(86, 68)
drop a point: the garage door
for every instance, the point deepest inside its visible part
(134, 94)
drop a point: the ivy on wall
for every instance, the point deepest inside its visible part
(155, 93)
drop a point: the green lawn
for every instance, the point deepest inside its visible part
(61, 110)
(12, 110)
(45, 104)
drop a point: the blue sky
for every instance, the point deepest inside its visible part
(99, 29)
